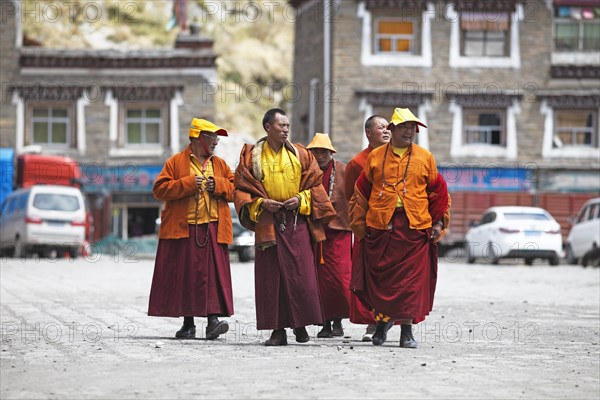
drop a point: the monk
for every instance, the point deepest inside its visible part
(377, 133)
(280, 196)
(192, 276)
(400, 208)
(333, 256)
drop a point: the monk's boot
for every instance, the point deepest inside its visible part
(188, 329)
(380, 335)
(337, 330)
(326, 332)
(368, 336)
(215, 327)
(278, 338)
(406, 337)
(301, 335)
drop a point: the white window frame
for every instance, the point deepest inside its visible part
(143, 121)
(49, 120)
(486, 128)
(562, 57)
(567, 151)
(456, 60)
(370, 58)
(458, 147)
(394, 37)
(558, 21)
(171, 113)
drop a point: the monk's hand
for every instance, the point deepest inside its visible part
(210, 184)
(436, 231)
(199, 182)
(271, 206)
(292, 203)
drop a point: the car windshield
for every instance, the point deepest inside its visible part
(56, 202)
(531, 216)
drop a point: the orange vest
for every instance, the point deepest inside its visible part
(384, 196)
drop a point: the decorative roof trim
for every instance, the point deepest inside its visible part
(394, 98)
(575, 71)
(99, 61)
(132, 93)
(484, 100)
(401, 4)
(565, 101)
(486, 5)
(49, 92)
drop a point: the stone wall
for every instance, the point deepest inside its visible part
(308, 64)
(9, 70)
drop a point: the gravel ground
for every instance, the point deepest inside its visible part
(78, 329)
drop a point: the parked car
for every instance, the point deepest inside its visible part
(43, 218)
(514, 232)
(243, 239)
(584, 238)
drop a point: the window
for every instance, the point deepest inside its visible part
(488, 218)
(485, 39)
(50, 126)
(56, 202)
(395, 36)
(575, 128)
(484, 127)
(576, 29)
(484, 34)
(143, 126)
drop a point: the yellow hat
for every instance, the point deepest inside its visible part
(321, 141)
(201, 125)
(402, 115)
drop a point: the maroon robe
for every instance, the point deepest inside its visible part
(191, 281)
(333, 257)
(406, 261)
(287, 291)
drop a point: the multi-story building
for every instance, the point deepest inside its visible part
(509, 90)
(119, 114)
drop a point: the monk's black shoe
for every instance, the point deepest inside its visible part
(278, 338)
(301, 335)
(326, 332)
(214, 330)
(380, 335)
(337, 330)
(186, 332)
(406, 337)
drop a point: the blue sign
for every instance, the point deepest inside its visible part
(7, 172)
(126, 177)
(466, 179)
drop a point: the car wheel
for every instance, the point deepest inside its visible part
(571, 259)
(553, 261)
(491, 254)
(246, 254)
(529, 261)
(74, 252)
(470, 256)
(19, 249)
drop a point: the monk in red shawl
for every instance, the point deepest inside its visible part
(377, 133)
(280, 196)
(333, 256)
(400, 209)
(192, 276)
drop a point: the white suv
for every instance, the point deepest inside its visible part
(42, 218)
(584, 237)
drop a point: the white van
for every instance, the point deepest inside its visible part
(43, 218)
(584, 238)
